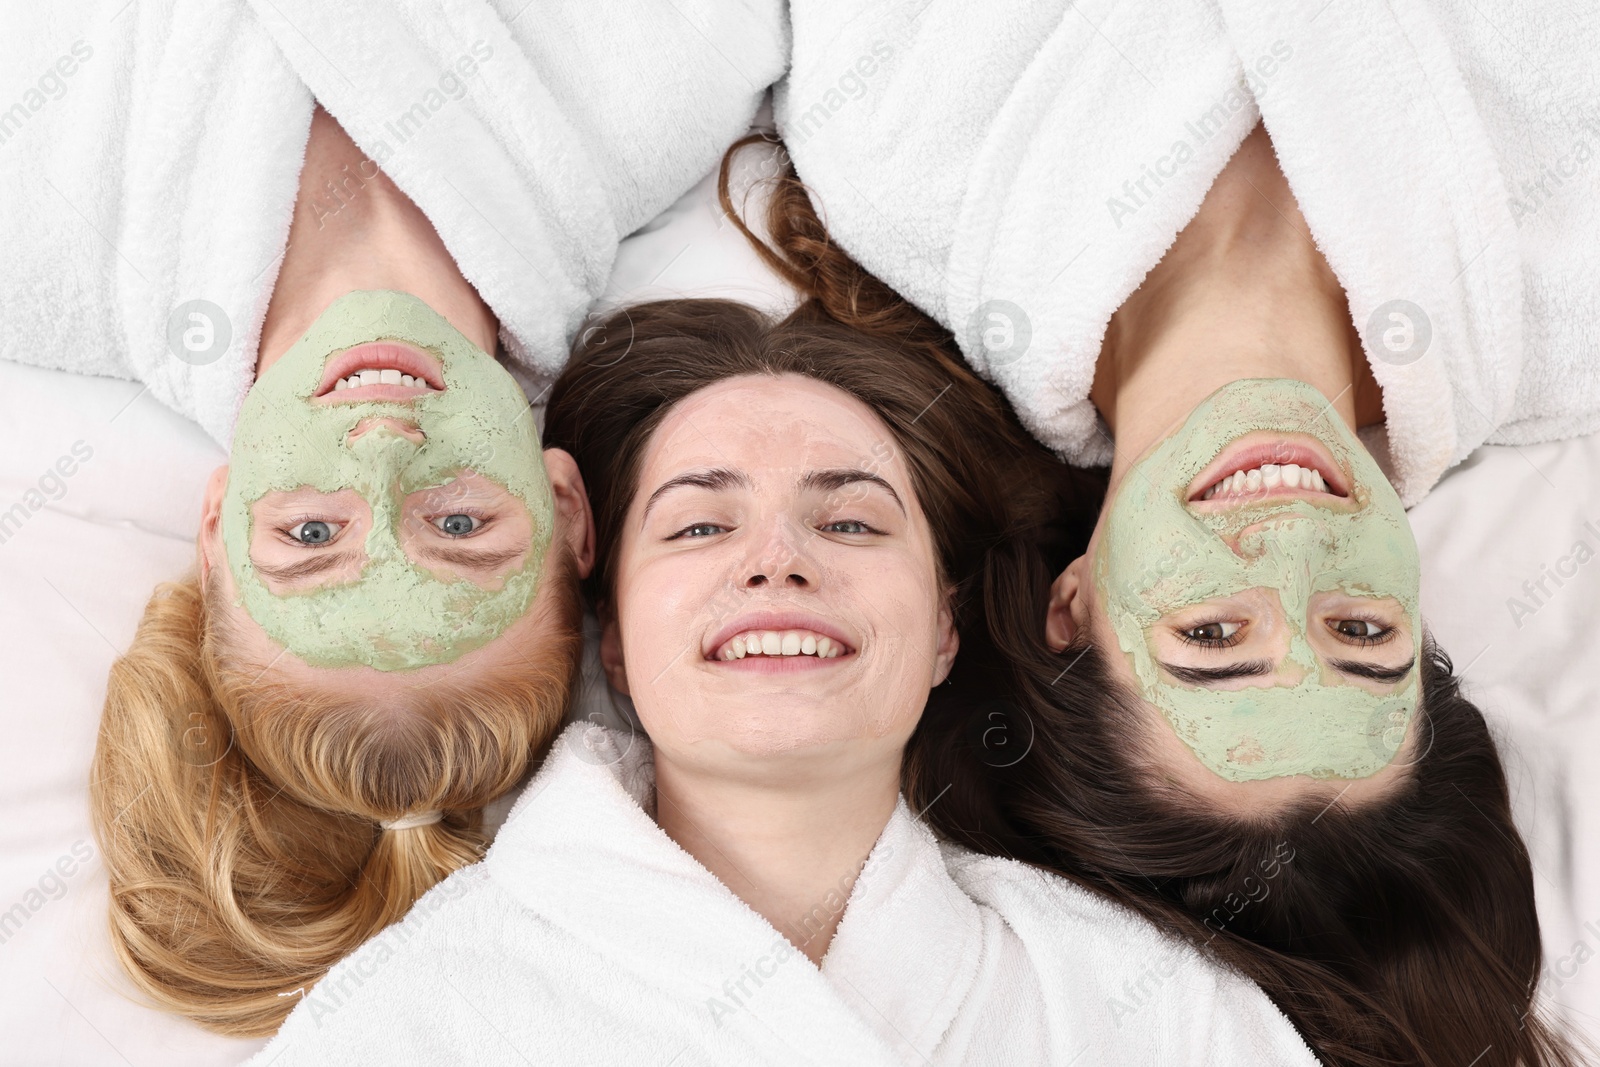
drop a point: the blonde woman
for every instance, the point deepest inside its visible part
(380, 630)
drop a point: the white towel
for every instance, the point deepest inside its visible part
(152, 158)
(588, 936)
(1035, 160)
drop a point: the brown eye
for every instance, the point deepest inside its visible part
(1211, 633)
(1361, 631)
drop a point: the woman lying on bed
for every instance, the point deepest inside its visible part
(797, 526)
(381, 634)
(1231, 717)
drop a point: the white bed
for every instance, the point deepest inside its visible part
(77, 571)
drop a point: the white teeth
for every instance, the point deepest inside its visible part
(1268, 476)
(384, 376)
(775, 643)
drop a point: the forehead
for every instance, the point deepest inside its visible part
(773, 423)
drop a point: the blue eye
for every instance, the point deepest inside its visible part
(458, 525)
(315, 532)
(699, 529)
(858, 527)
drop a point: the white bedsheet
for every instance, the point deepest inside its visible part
(75, 574)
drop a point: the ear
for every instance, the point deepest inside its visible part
(944, 657)
(611, 649)
(574, 519)
(207, 541)
(1068, 613)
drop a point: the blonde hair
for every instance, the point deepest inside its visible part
(238, 813)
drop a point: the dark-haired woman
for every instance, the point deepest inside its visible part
(1231, 717)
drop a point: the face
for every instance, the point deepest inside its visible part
(387, 503)
(389, 527)
(777, 592)
(1256, 581)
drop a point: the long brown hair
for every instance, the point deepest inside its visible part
(1399, 931)
(237, 812)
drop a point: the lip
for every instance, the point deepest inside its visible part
(1268, 446)
(379, 355)
(778, 620)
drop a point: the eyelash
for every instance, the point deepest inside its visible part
(866, 528)
(1362, 641)
(283, 531)
(1226, 642)
(1365, 640)
(483, 522)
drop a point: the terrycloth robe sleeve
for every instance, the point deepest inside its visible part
(157, 179)
(1015, 169)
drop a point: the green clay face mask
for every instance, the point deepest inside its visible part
(396, 615)
(1160, 554)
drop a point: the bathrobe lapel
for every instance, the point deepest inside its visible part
(907, 953)
(580, 851)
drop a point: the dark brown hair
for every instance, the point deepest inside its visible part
(1400, 931)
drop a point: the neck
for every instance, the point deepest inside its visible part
(354, 229)
(1242, 293)
(790, 845)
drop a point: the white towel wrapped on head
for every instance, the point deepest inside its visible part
(162, 180)
(1016, 168)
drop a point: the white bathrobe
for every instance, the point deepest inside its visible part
(1016, 167)
(151, 158)
(588, 936)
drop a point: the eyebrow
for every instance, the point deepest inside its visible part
(835, 478)
(715, 479)
(467, 557)
(1204, 675)
(719, 478)
(1377, 674)
(309, 567)
(1257, 668)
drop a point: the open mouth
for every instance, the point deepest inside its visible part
(1265, 466)
(772, 639)
(380, 370)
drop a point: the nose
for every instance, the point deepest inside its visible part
(782, 561)
(409, 430)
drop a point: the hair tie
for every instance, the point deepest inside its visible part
(407, 822)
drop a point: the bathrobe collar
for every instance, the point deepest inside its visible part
(581, 850)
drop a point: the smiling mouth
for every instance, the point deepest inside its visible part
(1248, 472)
(378, 371)
(779, 644)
